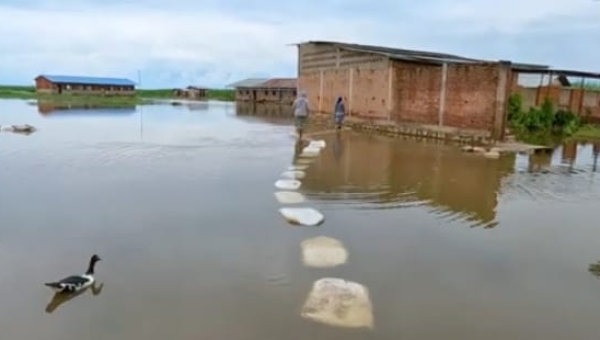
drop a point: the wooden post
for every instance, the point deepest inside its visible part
(442, 106)
(321, 91)
(350, 85)
(299, 68)
(390, 87)
(537, 92)
(581, 96)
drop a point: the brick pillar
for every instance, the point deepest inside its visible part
(321, 91)
(442, 106)
(501, 101)
(389, 89)
(350, 89)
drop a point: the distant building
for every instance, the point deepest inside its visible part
(58, 84)
(192, 92)
(274, 90)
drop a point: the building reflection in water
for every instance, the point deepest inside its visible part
(46, 108)
(384, 173)
(364, 171)
(274, 113)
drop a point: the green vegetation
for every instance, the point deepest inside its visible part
(544, 125)
(28, 92)
(587, 85)
(587, 131)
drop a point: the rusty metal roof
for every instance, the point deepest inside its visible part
(280, 83)
(250, 82)
(426, 57)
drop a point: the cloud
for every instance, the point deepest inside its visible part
(216, 42)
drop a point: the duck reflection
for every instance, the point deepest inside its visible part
(60, 298)
(594, 269)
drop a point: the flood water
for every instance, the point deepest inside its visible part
(178, 201)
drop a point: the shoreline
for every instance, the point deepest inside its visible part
(140, 96)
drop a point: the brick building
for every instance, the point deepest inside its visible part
(274, 90)
(59, 84)
(192, 92)
(392, 86)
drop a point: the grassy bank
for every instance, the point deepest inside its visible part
(545, 125)
(28, 92)
(587, 132)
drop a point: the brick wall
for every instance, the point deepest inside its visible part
(284, 96)
(360, 78)
(365, 96)
(470, 99)
(44, 86)
(416, 93)
(403, 92)
(471, 96)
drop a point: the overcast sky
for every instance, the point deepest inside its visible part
(212, 43)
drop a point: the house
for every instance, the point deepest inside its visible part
(261, 90)
(192, 92)
(59, 84)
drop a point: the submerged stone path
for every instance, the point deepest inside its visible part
(331, 301)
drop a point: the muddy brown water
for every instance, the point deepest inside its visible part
(178, 201)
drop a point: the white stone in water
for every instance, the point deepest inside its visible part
(491, 154)
(298, 167)
(340, 303)
(302, 216)
(317, 144)
(310, 152)
(304, 161)
(289, 197)
(288, 184)
(293, 174)
(323, 252)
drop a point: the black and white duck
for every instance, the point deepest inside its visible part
(75, 283)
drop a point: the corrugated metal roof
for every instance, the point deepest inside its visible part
(402, 54)
(280, 83)
(63, 79)
(414, 55)
(250, 82)
(272, 83)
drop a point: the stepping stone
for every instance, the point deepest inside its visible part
(310, 152)
(297, 174)
(304, 161)
(288, 184)
(302, 216)
(339, 303)
(491, 154)
(317, 144)
(299, 167)
(289, 197)
(323, 252)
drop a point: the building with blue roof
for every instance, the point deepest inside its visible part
(59, 84)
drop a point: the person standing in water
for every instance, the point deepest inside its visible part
(339, 112)
(301, 112)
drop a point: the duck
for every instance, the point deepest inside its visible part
(75, 283)
(26, 128)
